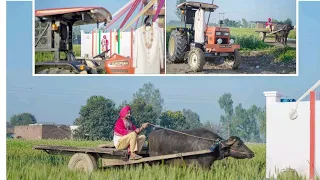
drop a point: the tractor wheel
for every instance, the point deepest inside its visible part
(196, 59)
(56, 71)
(178, 44)
(83, 162)
(237, 59)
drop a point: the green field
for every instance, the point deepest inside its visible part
(47, 56)
(25, 163)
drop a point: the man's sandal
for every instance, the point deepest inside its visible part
(136, 157)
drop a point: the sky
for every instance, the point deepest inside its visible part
(251, 10)
(58, 99)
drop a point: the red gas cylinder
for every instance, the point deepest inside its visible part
(118, 64)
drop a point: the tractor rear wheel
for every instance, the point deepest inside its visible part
(237, 59)
(196, 59)
(56, 71)
(178, 44)
(83, 162)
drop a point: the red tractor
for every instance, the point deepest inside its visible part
(218, 43)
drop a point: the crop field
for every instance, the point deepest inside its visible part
(25, 163)
(47, 56)
(246, 37)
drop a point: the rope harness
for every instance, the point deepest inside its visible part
(212, 148)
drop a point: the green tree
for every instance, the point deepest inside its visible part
(173, 120)
(192, 118)
(288, 21)
(245, 23)
(262, 122)
(143, 112)
(178, 13)
(226, 104)
(151, 96)
(213, 127)
(97, 118)
(22, 119)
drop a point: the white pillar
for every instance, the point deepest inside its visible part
(272, 97)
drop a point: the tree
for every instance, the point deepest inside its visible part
(143, 112)
(173, 120)
(245, 23)
(288, 21)
(213, 127)
(178, 13)
(226, 103)
(97, 118)
(192, 118)
(22, 119)
(262, 122)
(151, 96)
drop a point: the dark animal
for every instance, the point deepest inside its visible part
(163, 142)
(282, 36)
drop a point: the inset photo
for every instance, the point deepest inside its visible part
(106, 37)
(223, 37)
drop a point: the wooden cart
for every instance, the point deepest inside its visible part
(86, 158)
(264, 33)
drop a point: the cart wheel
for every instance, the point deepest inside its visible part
(237, 59)
(196, 59)
(262, 36)
(83, 162)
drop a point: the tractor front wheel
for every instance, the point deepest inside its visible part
(56, 71)
(237, 59)
(83, 162)
(196, 59)
(178, 45)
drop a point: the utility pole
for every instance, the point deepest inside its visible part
(222, 16)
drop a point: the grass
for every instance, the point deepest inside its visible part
(48, 56)
(25, 163)
(247, 38)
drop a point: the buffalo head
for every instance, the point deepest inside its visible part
(235, 147)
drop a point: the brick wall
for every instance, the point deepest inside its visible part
(28, 132)
(56, 132)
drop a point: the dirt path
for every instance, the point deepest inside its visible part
(255, 62)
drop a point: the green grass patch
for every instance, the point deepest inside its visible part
(25, 163)
(285, 54)
(49, 56)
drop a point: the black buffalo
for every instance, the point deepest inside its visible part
(163, 142)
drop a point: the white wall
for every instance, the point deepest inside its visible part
(125, 49)
(288, 141)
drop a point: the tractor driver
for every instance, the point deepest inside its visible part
(269, 25)
(126, 134)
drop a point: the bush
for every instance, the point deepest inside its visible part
(284, 54)
(249, 42)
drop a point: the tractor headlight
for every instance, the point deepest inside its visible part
(231, 41)
(218, 33)
(226, 34)
(219, 41)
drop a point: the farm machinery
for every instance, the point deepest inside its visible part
(183, 48)
(53, 34)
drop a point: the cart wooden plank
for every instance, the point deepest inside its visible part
(158, 158)
(68, 149)
(195, 4)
